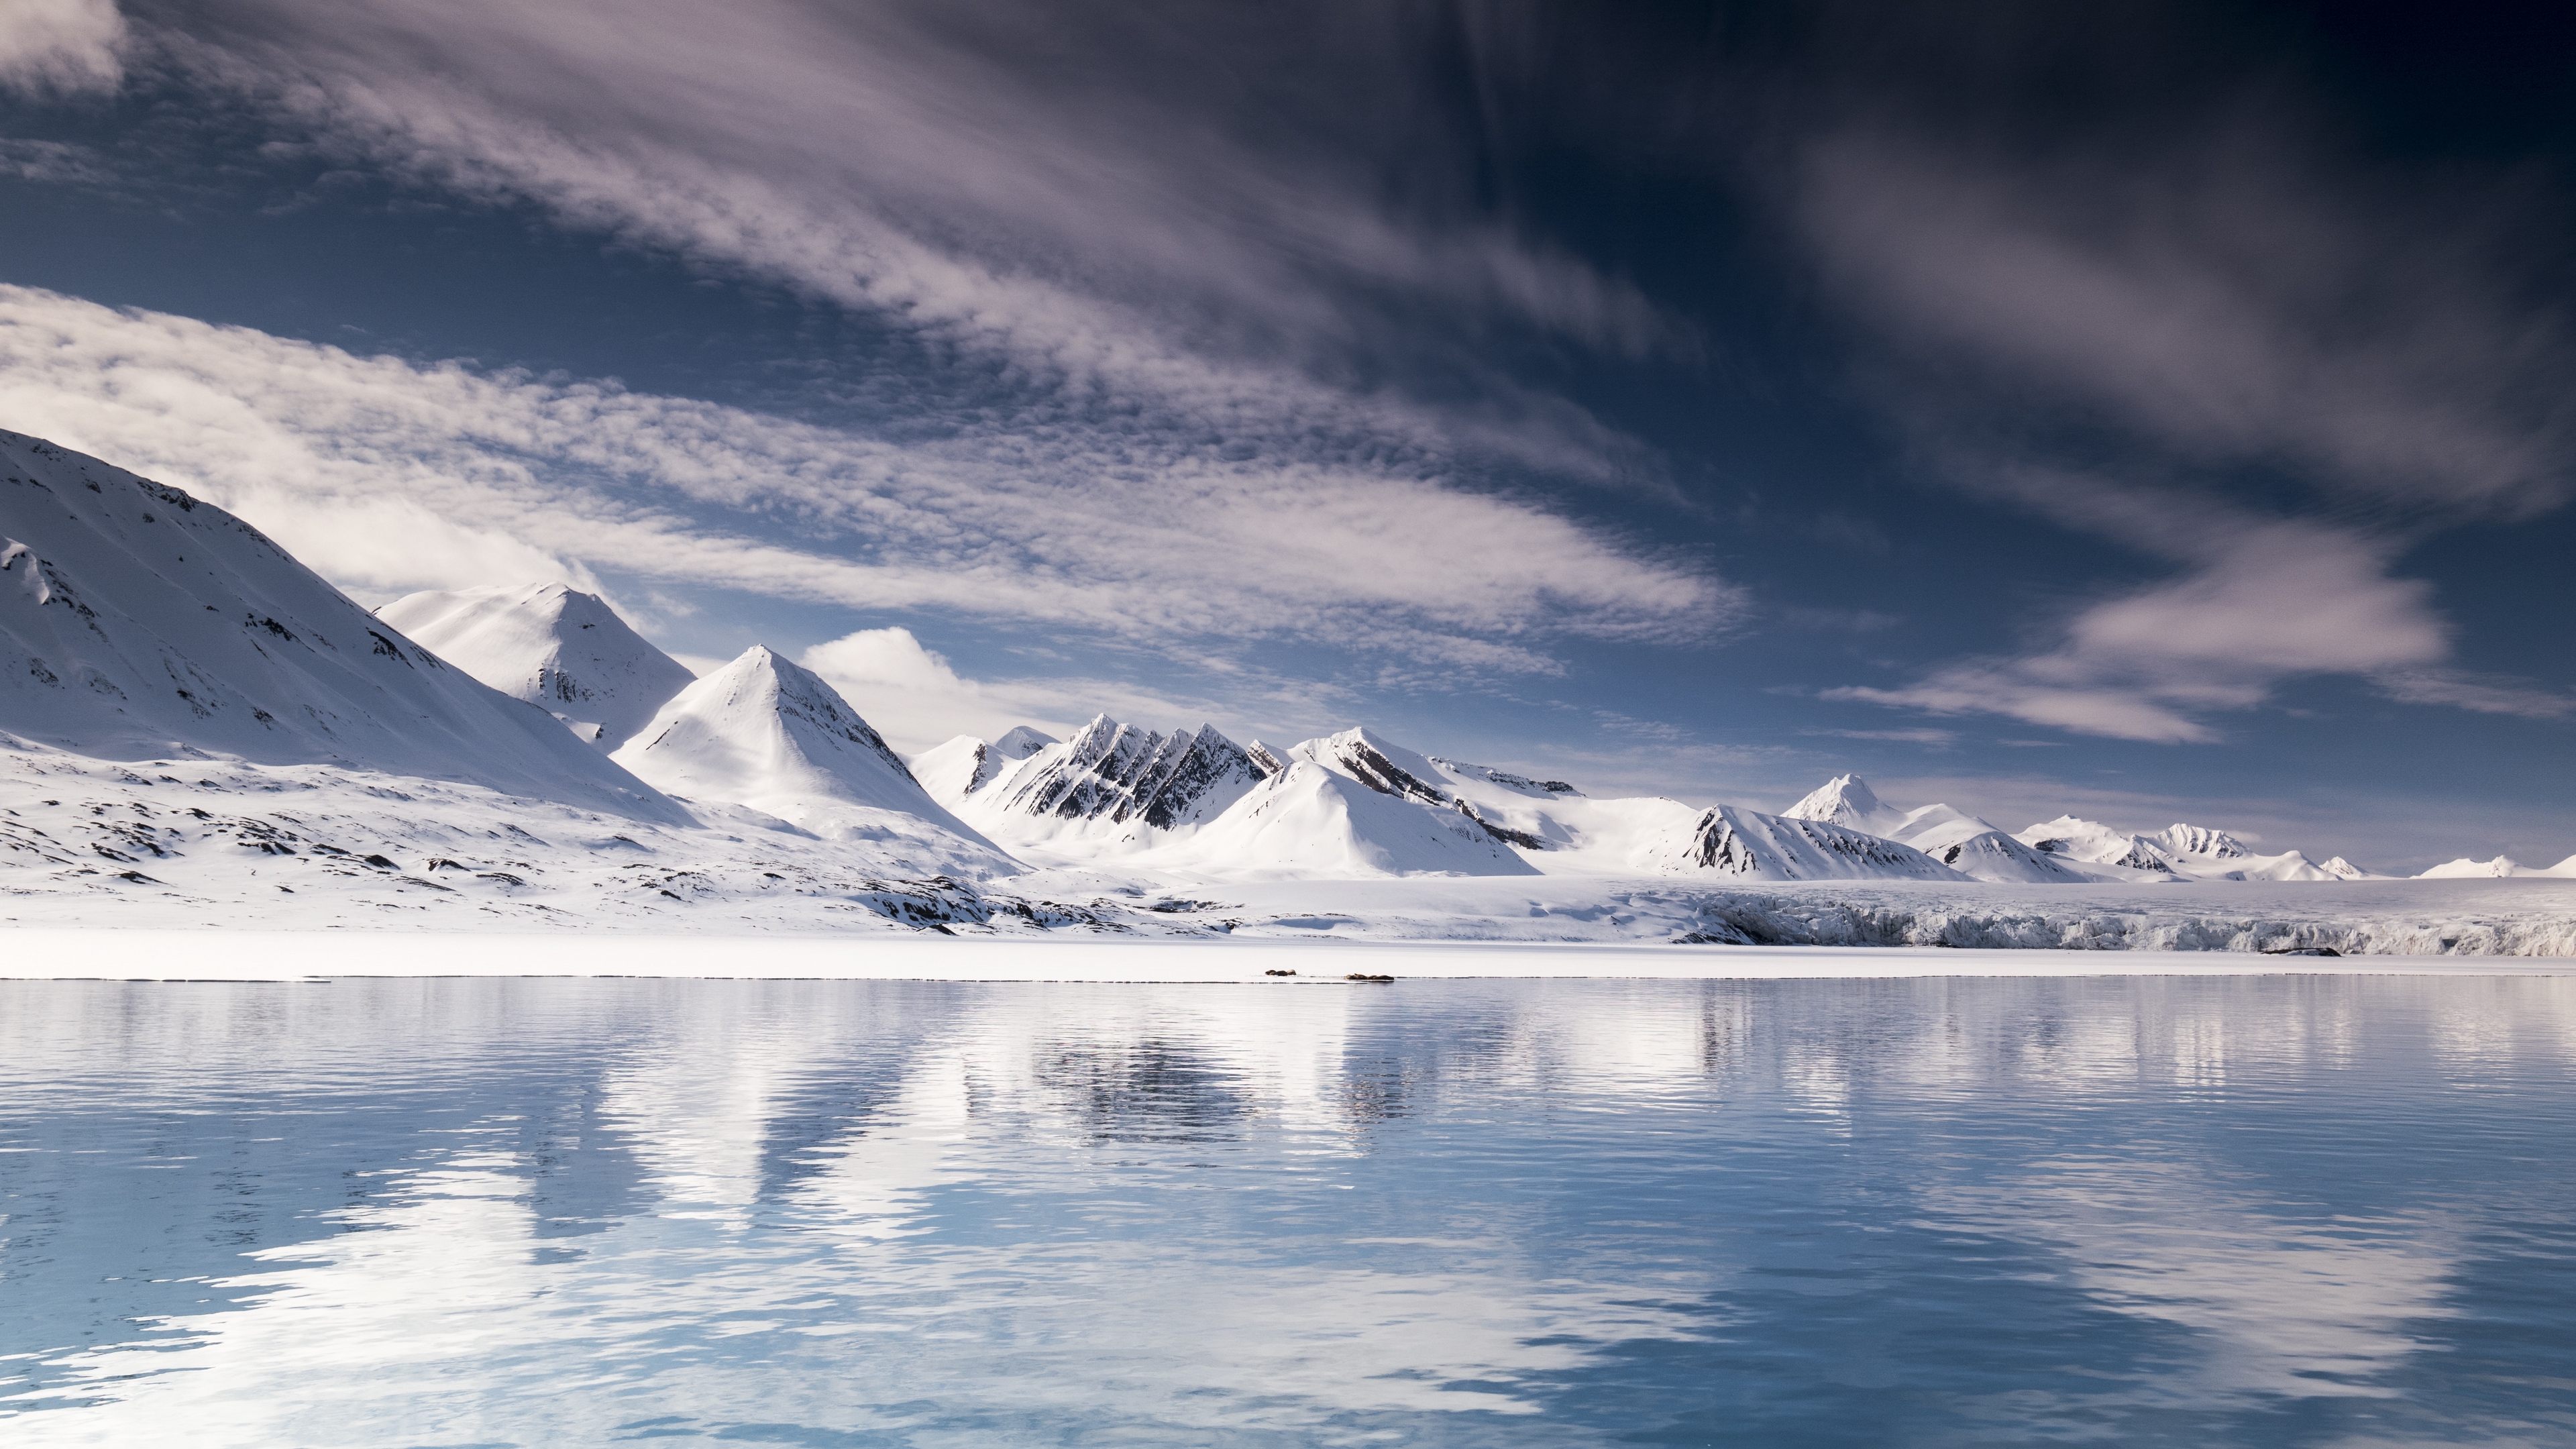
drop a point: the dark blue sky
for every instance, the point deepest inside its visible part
(2153, 412)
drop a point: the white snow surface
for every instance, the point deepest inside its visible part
(2502, 865)
(564, 651)
(195, 845)
(139, 623)
(769, 734)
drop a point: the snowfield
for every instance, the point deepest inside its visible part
(195, 843)
(196, 733)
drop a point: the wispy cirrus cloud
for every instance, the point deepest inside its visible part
(2300, 373)
(388, 475)
(1080, 200)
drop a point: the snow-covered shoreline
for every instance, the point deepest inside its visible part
(102, 954)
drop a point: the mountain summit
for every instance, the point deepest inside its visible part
(771, 735)
(564, 651)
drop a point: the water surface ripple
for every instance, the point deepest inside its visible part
(2273, 1210)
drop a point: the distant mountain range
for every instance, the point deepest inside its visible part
(137, 623)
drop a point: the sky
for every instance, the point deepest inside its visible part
(2151, 412)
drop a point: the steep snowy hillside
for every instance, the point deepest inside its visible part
(1730, 841)
(961, 766)
(768, 734)
(1313, 822)
(138, 623)
(563, 651)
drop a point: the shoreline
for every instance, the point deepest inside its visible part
(226, 954)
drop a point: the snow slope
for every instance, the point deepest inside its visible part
(138, 623)
(1730, 841)
(95, 843)
(563, 651)
(1979, 851)
(1951, 836)
(765, 733)
(1313, 822)
(961, 766)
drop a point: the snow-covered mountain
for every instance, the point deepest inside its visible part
(564, 651)
(1310, 820)
(768, 734)
(1951, 836)
(137, 622)
(1740, 843)
(2503, 865)
(964, 765)
(1113, 789)
(2178, 852)
(2070, 837)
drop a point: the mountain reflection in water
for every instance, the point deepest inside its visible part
(2280, 1210)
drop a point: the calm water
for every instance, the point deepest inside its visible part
(2135, 1211)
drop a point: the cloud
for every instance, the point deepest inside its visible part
(2483, 693)
(60, 46)
(389, 476)
(2299, 372)
(917, 699)
(2271, 601)
(2220, 300)
(1937, 739)
(52, 163)
(1067, 205)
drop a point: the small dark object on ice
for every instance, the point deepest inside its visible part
(1275, 972)
(2304, 951)
(136, 876)
(1364, 976)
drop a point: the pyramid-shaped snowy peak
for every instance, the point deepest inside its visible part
(564, 651)
(137, 621)
(766, 733)
(1844, 800)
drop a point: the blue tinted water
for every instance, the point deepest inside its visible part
(2277, 1211)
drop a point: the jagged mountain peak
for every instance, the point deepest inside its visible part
(563, 650)
(1731, 841)
(1118, 779)
(2202, 841)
